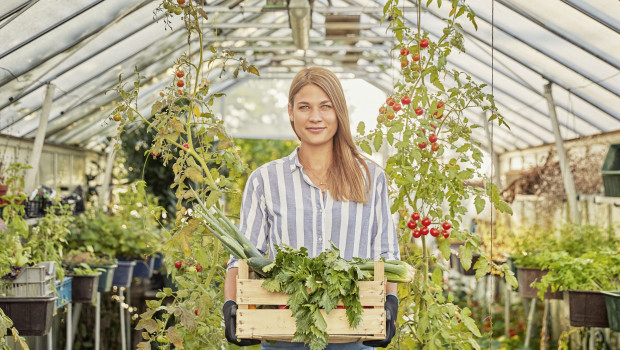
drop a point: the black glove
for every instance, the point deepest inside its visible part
(391, 314)
(230, 320)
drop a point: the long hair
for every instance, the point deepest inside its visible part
(348, 177)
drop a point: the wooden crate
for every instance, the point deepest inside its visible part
(278, 324)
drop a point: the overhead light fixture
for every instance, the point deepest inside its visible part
(300, 19)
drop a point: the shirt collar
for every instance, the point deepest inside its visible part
(293, 158)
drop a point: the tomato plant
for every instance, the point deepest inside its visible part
(431, 182)
(204, 159)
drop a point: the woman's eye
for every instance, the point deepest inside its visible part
(304, 107)
(326, 106)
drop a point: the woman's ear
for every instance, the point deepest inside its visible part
(290, 113)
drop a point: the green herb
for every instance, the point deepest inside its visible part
(315, 284)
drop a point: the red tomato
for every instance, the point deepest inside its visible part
(180, 83)
(397, 107)
(198, 268)
(419, 111)
(434, 232)
(179, 92)
(445, 233)
(424, 231)
(412, 224)
(404, 51)
(426, 221)
(432, 138)
(180, 74)
(440, 104)
(424, 43)
(415, 216)
(422, 145)
(405, 100)
(390, 101)
(180, 2)
(446, 226)
(416, 57)
(416, 233)
(178, 264)
(434, 147)
(196, 312)
(186, 145)
(441, 116)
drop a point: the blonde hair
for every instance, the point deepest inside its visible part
(348, 177)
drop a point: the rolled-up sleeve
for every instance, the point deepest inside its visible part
(385, 243)
(253, 221)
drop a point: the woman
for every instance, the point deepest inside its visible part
(324, 191)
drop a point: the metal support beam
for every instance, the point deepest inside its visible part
(569, 185)
(107, 175)
(31, 174)
(494, 157)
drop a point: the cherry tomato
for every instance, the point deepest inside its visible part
(180, 83)
(445, 233)
(424, 231)
(186, 145)
(419, 111)
(415, 216)
(416, 233)
(440, 104)
(383, 109)
(390, 116)
(416, 57)
(434, 147)
(179, 92)
(422, 145)
(446, 226)
(426, 221)
(180, 2)
(405, 100)
(390, 101)
(196, 312)
(117, 117)
(412, 224)
(432, 138)
(397, 107)
(404, 51)
(435, 114)
(180, 74)
(424, 43)
(198, 268)
(434, 232)
(155, 154)
(178, 264)
(404, 62)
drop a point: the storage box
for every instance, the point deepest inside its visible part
(278, 324)
(527, 276)
(31, 282)
(63, 292)
(586, 308)
(30, 316)
(612, 301)
(611, 171)
(84, 288)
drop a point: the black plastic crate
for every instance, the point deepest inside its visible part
(36, 208)
(30, 316)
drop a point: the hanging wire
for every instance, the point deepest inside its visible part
(492, 165)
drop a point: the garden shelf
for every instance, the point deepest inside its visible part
(281, 325)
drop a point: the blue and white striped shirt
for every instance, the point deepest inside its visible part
(281, 205)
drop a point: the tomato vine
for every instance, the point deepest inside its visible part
(431, 181)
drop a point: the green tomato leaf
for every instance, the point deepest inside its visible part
(360, 128)
(470, 324)
(365, 147)
(479, 203)
(378, 141)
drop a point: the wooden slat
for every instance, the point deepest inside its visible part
(242, 275)
(278, 324)
(250, 292)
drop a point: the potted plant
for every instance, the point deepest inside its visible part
(85, 277)
(101, 263)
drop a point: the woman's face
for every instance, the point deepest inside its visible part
(313, 116)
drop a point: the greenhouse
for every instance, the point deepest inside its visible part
(309, 174)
